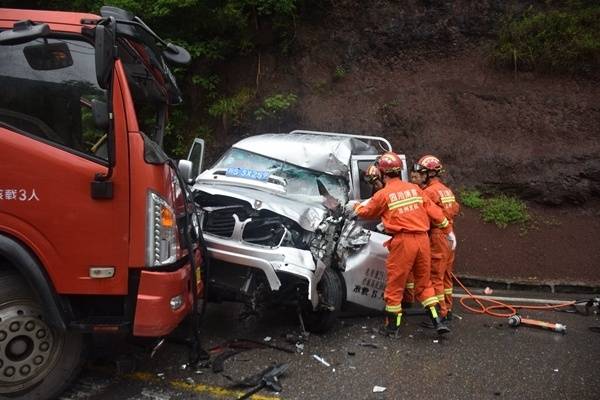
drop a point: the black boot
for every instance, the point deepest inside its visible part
(391, 325)
(438, 322)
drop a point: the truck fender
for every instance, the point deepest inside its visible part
(29, 268)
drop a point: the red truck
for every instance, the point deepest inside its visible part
(95, 231)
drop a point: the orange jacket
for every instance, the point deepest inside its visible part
(443, 197)
(403, 207)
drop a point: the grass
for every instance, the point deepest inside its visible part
(501, 210)
(564, 38)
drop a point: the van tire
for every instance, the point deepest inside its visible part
(331, 294)
(37, 362)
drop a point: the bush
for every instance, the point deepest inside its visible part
(504, 210)
(501, 210)
(471, 198)
(563, 39)
(275, 105)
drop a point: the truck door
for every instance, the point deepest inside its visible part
(52, 149)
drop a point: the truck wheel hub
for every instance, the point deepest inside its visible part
(27, 347)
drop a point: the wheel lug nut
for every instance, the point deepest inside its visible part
(40, 334)
(38, 360)
(44, 346)
(30, 326)
(14, 326)
(2, 335)
(10, 371)
(25, 369)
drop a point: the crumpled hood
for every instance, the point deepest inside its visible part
(307, 215)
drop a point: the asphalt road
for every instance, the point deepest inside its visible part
(483, 358)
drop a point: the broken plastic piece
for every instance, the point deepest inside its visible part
(321, 360)
(378, 389)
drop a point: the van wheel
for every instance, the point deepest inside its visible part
(331, 297)
(36, 361)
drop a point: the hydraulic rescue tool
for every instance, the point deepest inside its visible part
(517, 320)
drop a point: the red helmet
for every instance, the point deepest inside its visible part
(372, 174)
(389, 163)
(428, 163)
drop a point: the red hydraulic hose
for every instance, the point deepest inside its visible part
(511, 309)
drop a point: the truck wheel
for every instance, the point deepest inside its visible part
(331, 295)
(36, 361)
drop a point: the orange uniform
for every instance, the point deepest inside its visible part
(442, 256)
(406, 213)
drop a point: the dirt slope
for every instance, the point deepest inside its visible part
(418, 73)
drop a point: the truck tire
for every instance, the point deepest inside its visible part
(37, 362)
(331, 296)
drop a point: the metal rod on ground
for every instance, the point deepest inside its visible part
(512, 299)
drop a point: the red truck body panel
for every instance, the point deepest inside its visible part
(54, 215)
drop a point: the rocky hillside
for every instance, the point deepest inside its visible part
(419, 73)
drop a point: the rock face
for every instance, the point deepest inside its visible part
(418, 73)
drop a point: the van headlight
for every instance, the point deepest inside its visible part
(162, 244)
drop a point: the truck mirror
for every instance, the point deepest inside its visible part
(48, 56)
(23, 32)
(177, 55)
(185, 170)
(196, 156)
(100, 114)
(104, 43)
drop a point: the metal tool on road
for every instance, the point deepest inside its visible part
(268, 378)
(517, 320)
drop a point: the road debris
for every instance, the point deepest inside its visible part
(267, 338)
(321, 360)
(488, 290)
(379, 389)
(268, 378)
(368, 344)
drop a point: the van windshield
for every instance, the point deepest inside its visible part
(300, 183)
(48, 87)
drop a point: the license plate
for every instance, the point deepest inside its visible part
(248, 174)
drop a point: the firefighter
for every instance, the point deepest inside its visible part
(406, 213)
(429, 168)
(373, 177)
(409, 292)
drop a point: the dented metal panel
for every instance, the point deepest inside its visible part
(308, 216)
(328, 154)
(365, 272)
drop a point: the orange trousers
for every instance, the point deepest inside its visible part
(448, 281)
(440, 255)
(409, 252)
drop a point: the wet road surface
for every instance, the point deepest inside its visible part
(483, 358)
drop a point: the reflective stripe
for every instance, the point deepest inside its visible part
(394, 309)
(448, 291)
(410, 285)
(449, 199)
(398, 319)
(440, 297)
(407, 202)
(434, 313)
(443, 224)
(429, 301)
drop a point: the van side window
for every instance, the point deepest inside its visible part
(366, 189)
(48, 91)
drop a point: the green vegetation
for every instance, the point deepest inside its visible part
(215, 33)
(501, 209)
(471, 198)
(274, 106)
(504, 210)
(339, 73)
(564, 37)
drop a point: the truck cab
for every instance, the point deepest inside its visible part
(95, 232)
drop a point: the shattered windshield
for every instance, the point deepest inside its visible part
(300, 183)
